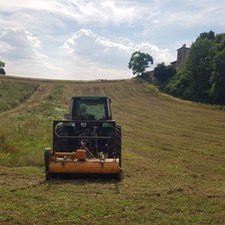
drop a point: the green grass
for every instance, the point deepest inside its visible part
(14, 93)
(173, 160)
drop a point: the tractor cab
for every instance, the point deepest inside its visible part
(90, 108)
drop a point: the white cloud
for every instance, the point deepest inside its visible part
(159, 55)
(19, 44)
(90, 47)
(85, 55)
(152, 13)
(83, 12)
(20, 47)
(18, 5)
(104, 12)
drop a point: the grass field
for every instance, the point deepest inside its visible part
(173, 158)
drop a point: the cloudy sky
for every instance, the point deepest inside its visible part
(94, 39)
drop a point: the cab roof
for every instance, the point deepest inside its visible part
(90, 97)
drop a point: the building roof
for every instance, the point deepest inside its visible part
(183, 46)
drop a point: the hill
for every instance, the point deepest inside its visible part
(173, 158)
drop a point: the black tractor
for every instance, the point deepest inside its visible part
(87, 141)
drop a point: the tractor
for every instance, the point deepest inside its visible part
(86, 142)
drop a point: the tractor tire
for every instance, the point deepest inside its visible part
(47, 160)
(118, 144)
(119, 176)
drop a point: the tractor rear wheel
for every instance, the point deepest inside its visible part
(118, 143)
(47, 160)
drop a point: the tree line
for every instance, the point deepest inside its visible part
(200, 78)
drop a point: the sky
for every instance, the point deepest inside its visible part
(94, 39)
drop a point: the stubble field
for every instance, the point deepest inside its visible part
(173, 158)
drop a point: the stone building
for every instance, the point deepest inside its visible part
(182, 54)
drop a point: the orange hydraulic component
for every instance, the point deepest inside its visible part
(79, 154)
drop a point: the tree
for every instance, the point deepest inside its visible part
(139, 61)
(2, 64)
(207, 35)
(164, 73)
(193, 78)
(200, 66)
(202, 77)
(217, 91)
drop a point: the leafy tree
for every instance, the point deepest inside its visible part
(217, 91)
(2, 64)
(164, 73)
(202, 77)
(199, 69)
(139, 61)
(207, 35)
(193, 79)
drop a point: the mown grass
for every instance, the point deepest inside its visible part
(173, 161)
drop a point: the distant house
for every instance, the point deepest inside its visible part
(182, 54)
(148, 75)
